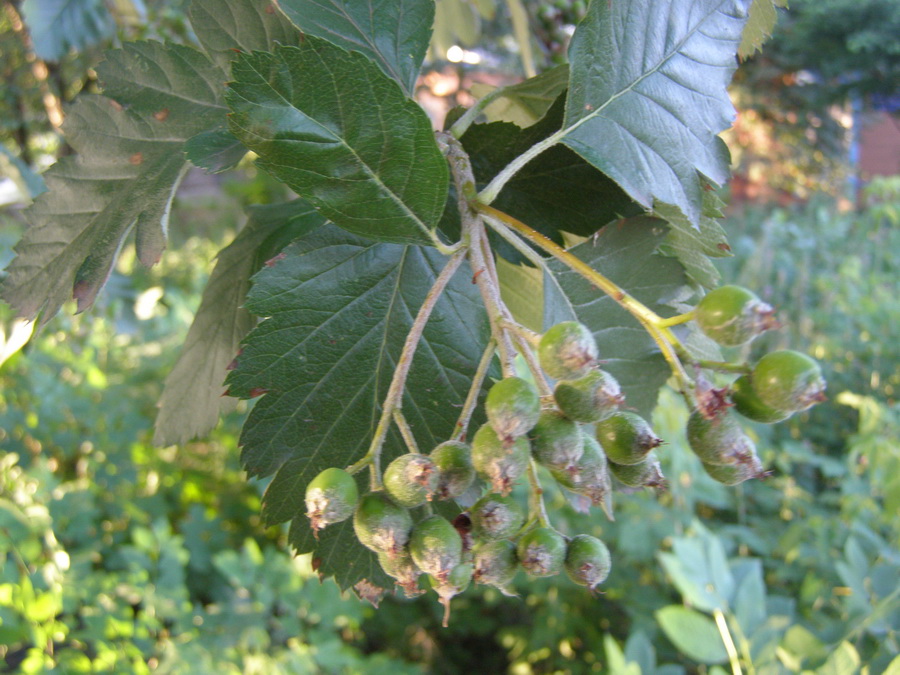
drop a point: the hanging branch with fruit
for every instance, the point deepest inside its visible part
(441, 325)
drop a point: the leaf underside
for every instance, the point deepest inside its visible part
(392, 33)
(339, 308)
(623, 252)
(192, 397)
(647, 95)
(340, 133)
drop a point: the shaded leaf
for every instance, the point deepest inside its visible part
(392, 33)
(525, 103)
(216, 150)
(128, 166)
(56, 26)
(378, 170)
(624, 252)
(339, 310)
(557, 191)
(29, 183)
(192, 398)
(694, 634)
(647, 95)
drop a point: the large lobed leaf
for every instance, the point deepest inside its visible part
(340, 133)
(192, 398)
(624, 252)
(392, 33)
(339, 308)
(128, 165)
(647, 95)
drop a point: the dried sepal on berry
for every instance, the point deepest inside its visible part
(498, 462)
(542, 552)
(411, 479)
(381, 525)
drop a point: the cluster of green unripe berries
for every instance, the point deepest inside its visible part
(780, 384)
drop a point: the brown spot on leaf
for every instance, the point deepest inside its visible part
(271, 261)
(136, 159)
(723, 247)
(115, 105)
(161, 115)
(270, 9)
(258, 391)
(316, 564)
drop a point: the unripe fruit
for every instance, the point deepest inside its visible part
(589, 476)
(591, 398)
(496, 563)
(646, 474)
(732, 315)
(626, 438)
(748, 404)
(381, 525)
(498, 462)
(567, 351)
(331, 497)
(720, 440)
(556, 441)
(788, 380)
(435, 547)
(455, 583)
(496, 517)
(542, 552)
(455, 471)
(512, 407)
(587, 561)
(411, 479)
(733, 474)
(402, 568)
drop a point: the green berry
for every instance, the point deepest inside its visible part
(402, 568)
(512, 407)
(719, 440)
(567, 351)
(626, 438)
(591, 398)
(542, 552)
(556, 441)
(789, 381)
(455, 471)
(496, 517)
(733, 474)
(646, 474)
(748, 404)
(496, 563)
(331, 497)
(732, 315)
(381, 525)
(411, 479)
(589, 476)
(456, 582)
(499, 462)
(587, 561)
(435, 547)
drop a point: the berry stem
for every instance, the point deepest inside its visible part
(405, 430)
(527, 352)
(723, 366)
(462, 425)
(537, 508)
(676, 320)
(394, 396)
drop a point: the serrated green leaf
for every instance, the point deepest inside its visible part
(336, 130)
(56, 26)
(128, 166)
(624, 252)
(647, 95)
(339, 310)
(392, 33)
(557, 191)
(761, 22)
(695, 245)
(526, 102)
(192, 398)
(216, 150)
(694, 634)
(224, 27)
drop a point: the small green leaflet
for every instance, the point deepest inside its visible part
(392, 33)
(192, 399)
(337, 131)
(339, 308)
(624, 252)
(763, 16)
(525, 103)
(647, 95)
(693, 633)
